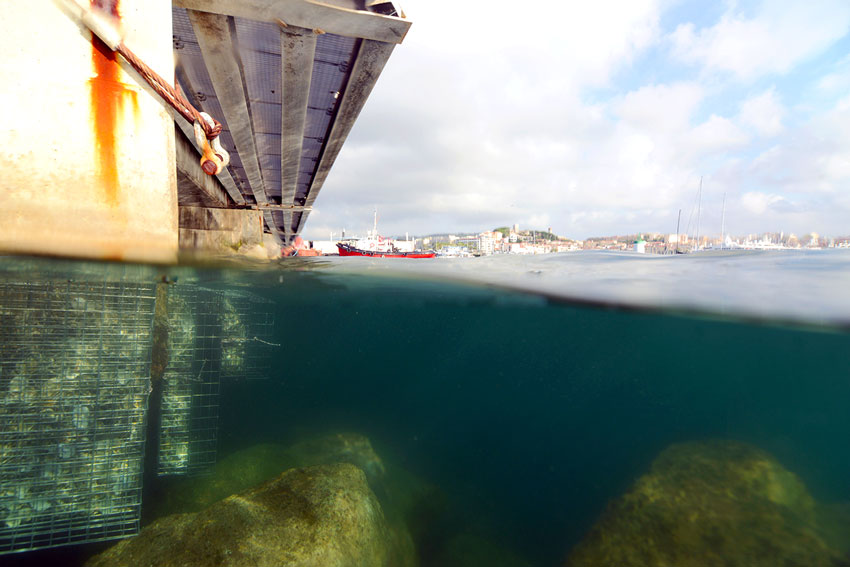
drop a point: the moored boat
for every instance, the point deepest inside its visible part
(349, 250)
(376, 246)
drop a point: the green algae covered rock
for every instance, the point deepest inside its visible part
(234, 473)
(415, 503)
(322, 516)
(341, 448)
(702, 504)
(249, 467)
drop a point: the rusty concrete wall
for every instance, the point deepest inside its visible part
(225, 231)
(88, 166)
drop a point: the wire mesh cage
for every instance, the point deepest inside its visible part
(211, 335)
(190, 397)
(74, 385)
(247, 328)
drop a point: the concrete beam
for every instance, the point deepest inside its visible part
(295, 208)
(302, 220)
(224, 177)
(268, 217)
(194, 187)
(309, 14)
(298, 50)
(216, 41)
(371, 58)
(287, 225)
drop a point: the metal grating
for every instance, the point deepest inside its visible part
(211, 335)
(74, 385)
(247, 330)
(197, 85)
(334, 58)
(190, 398)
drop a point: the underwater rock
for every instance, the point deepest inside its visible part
(414, 509)
(834, 519)
(323, 515)
(234, 473)
(341, 448)
(709, 503)
(420, 506)
(249, 467)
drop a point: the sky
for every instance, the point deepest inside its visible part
(601, 118)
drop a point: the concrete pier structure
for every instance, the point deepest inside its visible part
(89, 159)
(93, 168)
(205, 229)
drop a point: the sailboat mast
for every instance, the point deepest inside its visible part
(678, 221)
(699, 208)
(723, 221)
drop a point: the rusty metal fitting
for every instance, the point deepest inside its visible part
(214, 158)
(209, 166)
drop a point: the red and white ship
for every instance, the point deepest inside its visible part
(376, 246)
(349, 250)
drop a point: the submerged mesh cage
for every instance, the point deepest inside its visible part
(212, 335)
(190, 396)
(74, 385)
(76, 363)
(247, 330)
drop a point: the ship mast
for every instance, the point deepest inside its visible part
(699, 208)
(678, 221)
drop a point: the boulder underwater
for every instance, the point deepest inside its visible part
(399, 495)
(324, 515)
(712, 503)
(253, 465)
(351, 448)
(413, 507)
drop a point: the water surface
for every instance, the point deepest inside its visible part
(533, 392)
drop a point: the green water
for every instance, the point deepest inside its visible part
(529, 414)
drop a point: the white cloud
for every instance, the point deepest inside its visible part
(560, 40)
(757, 203)
(813, 161)
(486, 117)
(718, 135)
(660, 107)
(779, 36)
(763, 113)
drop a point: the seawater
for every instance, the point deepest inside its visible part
(533, 392)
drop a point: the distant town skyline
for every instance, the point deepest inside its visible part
(708, 234)
(605, 121)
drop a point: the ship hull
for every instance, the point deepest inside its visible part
(346, 250)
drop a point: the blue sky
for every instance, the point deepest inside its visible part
(598, 118)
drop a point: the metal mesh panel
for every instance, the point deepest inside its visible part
(74, 385)
(190, 398)
(247, 330)
(212, 334)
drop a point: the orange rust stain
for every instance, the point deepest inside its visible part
(137, 113)
(108, 97)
